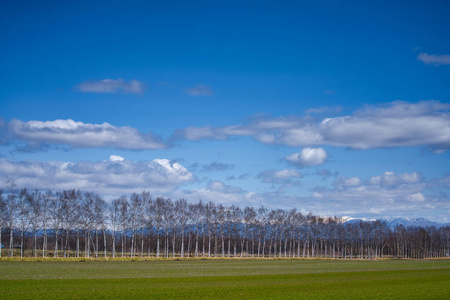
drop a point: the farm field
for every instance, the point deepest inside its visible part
(225, 278)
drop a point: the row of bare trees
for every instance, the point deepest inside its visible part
(71, 223)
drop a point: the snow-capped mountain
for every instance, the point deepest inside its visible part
(413, 222)
(393, 222)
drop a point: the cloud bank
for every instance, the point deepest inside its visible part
(114, 177)
(83, 135)
(388, 194)
(395, 124)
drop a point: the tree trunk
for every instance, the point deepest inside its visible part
(132, 243)
(123, 237)
(66, 248)
(142, 242)
(44, 243)
(157, 242)
(21, 242)
(11, 239)
(223, 246)
(196, 243)
(182, 242)
(114, 244)
(104, 242)
(189, 245)
(35, 242)
(56, 244)
(96, 244)
(78, 242)
(229, 245)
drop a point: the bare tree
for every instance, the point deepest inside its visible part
(47, 199)
(35, 206)
(114, 213)
(144, 216)
(56, 215)
(23, 216)
(181, 213)
(69, 217)
(168, 223)
(196, 211)
(159, 209)
(11, 211)
(214, 228)
(134, 219)
(2, 211)
(123, 220)
(221, 221)
(100, 222)
(248, 221)
(236, 221)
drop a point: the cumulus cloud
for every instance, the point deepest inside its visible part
(200, 90)
(112, 86)
(83, 135)
(395, 124)
(308, 157)
(113, 177)
(116, 158)
(433, 59)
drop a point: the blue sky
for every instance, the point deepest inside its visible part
(339, 108)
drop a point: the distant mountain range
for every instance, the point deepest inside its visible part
(393, 222)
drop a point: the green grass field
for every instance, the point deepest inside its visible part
(225, 279)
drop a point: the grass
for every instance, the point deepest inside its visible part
(218, 279)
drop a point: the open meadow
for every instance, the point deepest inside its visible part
(225, 278)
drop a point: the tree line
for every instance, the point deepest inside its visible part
(72, 223)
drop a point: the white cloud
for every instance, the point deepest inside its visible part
(83, 135)
(308, 157)
(395, 124)
(390, 179)
(351, 196)
(112, 86)
(433, 59)
(116, 158)
(388, 194)
(417, 197)
(113, 177)
(200, 90)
